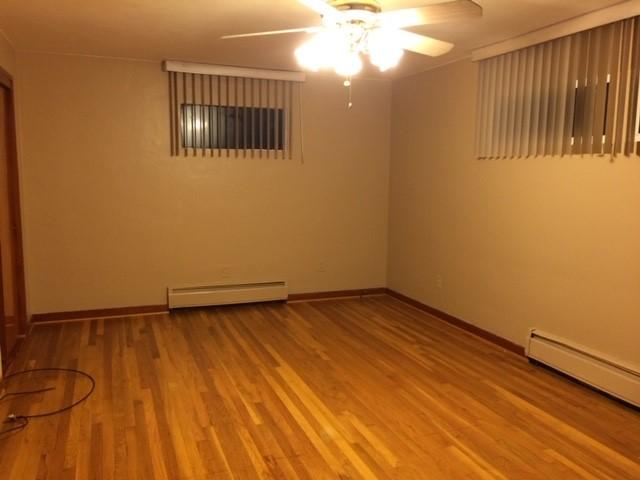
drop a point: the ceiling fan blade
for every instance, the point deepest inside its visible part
(274, 32)
(422, 44)
(437, 13)
(321, 7)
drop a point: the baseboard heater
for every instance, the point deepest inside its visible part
(588, 366)
(226, 294)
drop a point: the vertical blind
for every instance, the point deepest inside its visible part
(573, 95)
(222, 115)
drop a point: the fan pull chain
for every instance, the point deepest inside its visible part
(347, 83)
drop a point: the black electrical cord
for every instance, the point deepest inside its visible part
(23, 424)
(26, 392)
(24, 419)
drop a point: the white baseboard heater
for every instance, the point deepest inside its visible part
(221, 294)
(591, 367)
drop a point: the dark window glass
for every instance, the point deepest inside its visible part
(228, 127)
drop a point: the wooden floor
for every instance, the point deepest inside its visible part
(363, 388)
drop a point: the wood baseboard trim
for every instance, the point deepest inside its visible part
(37, 318)
(6, 362)
(479, 332)
(155, 309)
(98, 313)
(362, 292)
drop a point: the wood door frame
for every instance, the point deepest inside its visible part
(13, 179)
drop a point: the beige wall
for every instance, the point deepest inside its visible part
(551, 243)
(111, 219)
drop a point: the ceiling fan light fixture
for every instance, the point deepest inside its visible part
(386, 59)
(348, 64)
(385, 50)
(307, 57)
(319, 51)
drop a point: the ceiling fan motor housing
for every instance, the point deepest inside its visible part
(372, 6)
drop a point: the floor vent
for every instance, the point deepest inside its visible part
(613, 377)
(205, 295)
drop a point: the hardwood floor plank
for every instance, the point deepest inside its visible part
(366, 388)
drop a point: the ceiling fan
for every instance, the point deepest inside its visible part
(351, 28)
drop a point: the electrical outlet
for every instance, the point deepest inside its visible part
(225, 272)
(322, 267)
(439, 281)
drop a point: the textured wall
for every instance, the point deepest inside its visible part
(510, 244)
(111, 219)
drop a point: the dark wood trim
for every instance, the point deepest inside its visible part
(147, 309)
(6, 80)
(6, 363)
(491, 337)
(97, 313)
(16, 212)
(361, 292)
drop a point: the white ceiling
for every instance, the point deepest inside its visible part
(191, 29)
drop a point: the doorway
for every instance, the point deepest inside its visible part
(12, 287)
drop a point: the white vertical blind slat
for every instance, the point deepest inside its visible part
(479, 141)
(529, 104)
(604, 77)
(536, 105)
(486, 112)
(525, 142)
(569, 92)
(545, 94)
(554, 99)
(614, 90)
(520, 105)
(558, 130)
(631, 133)
(595, 82)
(504, 108)
(512, 103)
(623, 85)
(493, 108)
(498, 99)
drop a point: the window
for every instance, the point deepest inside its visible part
(224, 111)
(573, 95)
(241, 128)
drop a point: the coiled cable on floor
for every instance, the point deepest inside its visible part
(23, 420)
